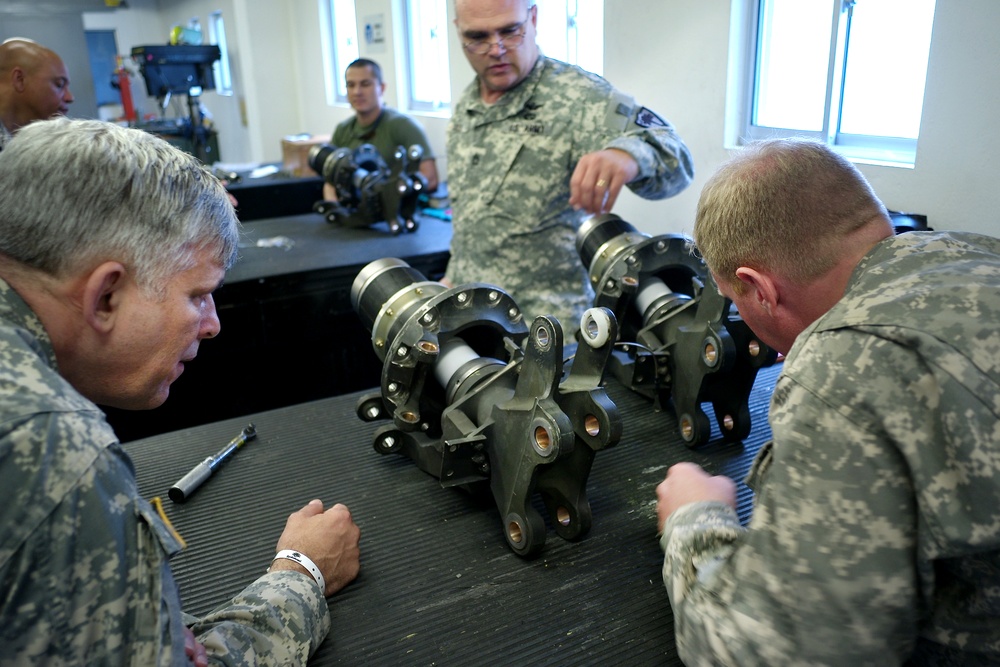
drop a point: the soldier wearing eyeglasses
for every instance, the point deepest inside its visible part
(534, 146)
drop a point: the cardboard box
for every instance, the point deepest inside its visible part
(295, 153)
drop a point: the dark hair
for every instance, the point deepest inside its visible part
(364, 62)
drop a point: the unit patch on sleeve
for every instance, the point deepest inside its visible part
(648, 118)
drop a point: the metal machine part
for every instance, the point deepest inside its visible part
(684, 343)
(368, 190)
(482, 401)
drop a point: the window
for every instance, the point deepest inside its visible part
(340, 46)
(427, 54)
(573, 31)
(848, 72)
(221, 72)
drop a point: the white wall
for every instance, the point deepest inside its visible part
(672, 55)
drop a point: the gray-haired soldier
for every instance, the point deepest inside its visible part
(875, 539)
(533, 146)
(111, 244)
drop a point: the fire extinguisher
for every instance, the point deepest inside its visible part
(125, 88)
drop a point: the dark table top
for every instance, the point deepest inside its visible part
(303, 243)
(438, 585)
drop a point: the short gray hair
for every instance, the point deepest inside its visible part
(75, 193)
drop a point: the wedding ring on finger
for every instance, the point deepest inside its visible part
(601, 183)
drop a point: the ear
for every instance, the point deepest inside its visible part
(761, 286)
(17, 79)
(103, 293)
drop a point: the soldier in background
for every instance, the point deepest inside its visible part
(111, 244)
(34, 85)
(534, 145)
(373, 123)
(875, 539)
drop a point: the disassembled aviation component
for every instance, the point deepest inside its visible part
(481, 401)
(684, 342)
(368, 190)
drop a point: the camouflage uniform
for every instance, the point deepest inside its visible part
(84, 572)
(875, 538)
(389, 131)
(509, 167)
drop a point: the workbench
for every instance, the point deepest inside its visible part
(438, 584)
(289, 332)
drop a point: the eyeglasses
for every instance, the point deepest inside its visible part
(507, 38)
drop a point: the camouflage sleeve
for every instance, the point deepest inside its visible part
(280, 619)
(665, 163)
(827, 572)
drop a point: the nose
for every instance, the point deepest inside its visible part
(500, 47)
(210, 325)
(68, 96)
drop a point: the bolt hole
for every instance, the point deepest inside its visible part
(563, 516)
(542, 439)
(542, 337)
(514, 532)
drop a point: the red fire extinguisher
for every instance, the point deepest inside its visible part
(126, 91)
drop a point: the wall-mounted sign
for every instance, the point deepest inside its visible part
(375, 33)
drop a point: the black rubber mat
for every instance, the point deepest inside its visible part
(438, 585)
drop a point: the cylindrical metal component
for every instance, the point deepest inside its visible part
(596, 231)
(454, 354)
(189, 483)
(650, 290)
(378, 281)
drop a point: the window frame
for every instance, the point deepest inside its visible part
(414, 103)
(572, 13)
(222, 71)
(336, 84)
(891, 151)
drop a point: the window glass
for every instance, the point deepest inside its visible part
(573, 31)
(344, 32)
(221, 71)
(794, 48)
(890, 41)
(851, 72)
(427, 54)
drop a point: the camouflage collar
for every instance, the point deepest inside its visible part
(513, 101)
(14, 312)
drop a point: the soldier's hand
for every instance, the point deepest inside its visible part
(689, 483)
(193, 649)
(598, 178)
(329, 538)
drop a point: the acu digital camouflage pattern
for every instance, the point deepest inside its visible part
(876, 533)
(84, 572)
(509, 167)
(391, 130)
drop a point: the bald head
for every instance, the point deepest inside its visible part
(34, 83)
